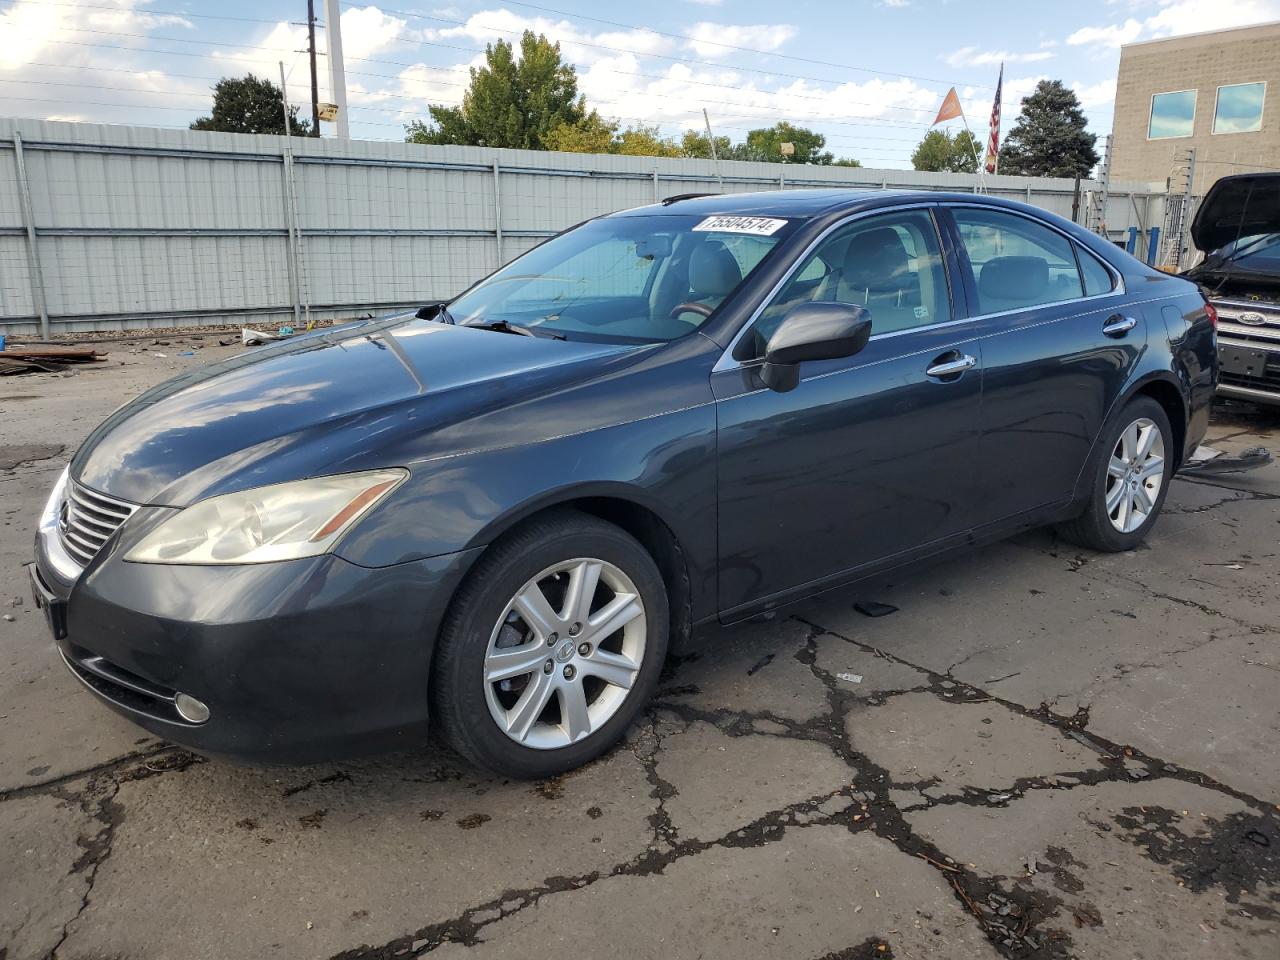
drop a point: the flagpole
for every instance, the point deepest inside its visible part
(982, 177)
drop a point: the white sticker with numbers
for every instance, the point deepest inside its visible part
(757, 226)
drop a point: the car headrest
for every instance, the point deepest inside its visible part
(713, 271)
(876, 260)
(1014, 278)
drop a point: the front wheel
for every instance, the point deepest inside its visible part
(1129, 479)
(552, 646)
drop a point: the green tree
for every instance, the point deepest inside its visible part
(593, 134)
(642, 141)
(1049, 138)
(511, 102)
(695, 144)
(847, 162)
(766, 142)
(941, 152)
(250, 105)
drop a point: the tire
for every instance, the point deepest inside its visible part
(496, 625)
(1112, 530)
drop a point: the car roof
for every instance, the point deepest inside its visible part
(773, 203)
(806, 204)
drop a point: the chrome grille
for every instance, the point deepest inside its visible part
(87, 519)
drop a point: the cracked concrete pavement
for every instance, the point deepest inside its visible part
(1042, 753)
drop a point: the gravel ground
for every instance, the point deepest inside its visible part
(1042, 753)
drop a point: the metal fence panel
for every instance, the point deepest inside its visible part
(140, 227)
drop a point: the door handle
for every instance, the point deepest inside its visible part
(1118, 325)
(957, 365)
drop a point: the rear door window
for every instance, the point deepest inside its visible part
(1017, 263)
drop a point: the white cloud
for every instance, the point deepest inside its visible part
(706, 3)
(973, 57)
(1100, 94)
(368, 30)
(1194, 16)
(711, 40)
(897, 3)
(1112, 35)
(577, 45)
(1177, 18)
(29, 28)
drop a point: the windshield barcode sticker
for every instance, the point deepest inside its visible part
(759, 226)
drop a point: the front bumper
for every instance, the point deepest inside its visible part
(1249, 353)
(298, 662)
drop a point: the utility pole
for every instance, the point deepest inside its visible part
(711, 139)
(311, 49)
(284, 101)
(337, 73)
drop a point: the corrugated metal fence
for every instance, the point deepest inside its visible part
(109, 227)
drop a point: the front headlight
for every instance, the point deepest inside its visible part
(284, 521)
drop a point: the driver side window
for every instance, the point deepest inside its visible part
(890, 264)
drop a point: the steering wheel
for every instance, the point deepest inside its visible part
(699, 308)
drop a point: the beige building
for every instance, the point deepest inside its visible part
(1216, 92)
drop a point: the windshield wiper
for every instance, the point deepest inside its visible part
(505, 326)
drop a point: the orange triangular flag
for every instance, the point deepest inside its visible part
(950, 108)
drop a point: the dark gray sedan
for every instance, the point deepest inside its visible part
(499, 510)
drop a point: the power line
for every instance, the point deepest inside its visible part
(725, 46)
(854, 119)
(151, 12)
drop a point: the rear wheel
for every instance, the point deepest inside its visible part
(551, 648)
(1130, 478)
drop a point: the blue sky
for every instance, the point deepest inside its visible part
(869, 75)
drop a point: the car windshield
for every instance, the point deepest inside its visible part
(1260, 253)
(624, 279)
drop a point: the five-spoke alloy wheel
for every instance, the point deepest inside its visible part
(551, 647)
(1135, 475)
(565, 653)
(1127, 478)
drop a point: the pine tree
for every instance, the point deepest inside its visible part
(1049, 138)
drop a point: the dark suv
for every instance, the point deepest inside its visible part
(1238, 228)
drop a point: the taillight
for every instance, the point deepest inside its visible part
(1213, 315)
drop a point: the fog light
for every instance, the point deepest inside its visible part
(191, 709)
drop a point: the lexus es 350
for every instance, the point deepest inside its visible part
(494, 513)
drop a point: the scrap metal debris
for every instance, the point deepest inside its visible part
(252, 338)
(869, 608)
(16, 359)
(1209, 461)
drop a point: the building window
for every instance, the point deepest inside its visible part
(1172, 115)
(1239, 108)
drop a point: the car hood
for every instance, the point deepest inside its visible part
(330, 401)
(1238, 206)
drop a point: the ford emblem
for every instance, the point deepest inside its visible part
(1253, 319)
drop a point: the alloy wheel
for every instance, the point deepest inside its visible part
(1135, 475)
(565, 653)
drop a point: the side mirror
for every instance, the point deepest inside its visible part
(813, 331)
(430, 311)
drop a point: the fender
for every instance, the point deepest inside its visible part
(1135, 386)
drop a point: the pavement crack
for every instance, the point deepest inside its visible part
(98, 800)
(465, 928)
(110, 766)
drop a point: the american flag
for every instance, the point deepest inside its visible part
(993, 139)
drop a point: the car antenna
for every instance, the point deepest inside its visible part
(668, 201)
